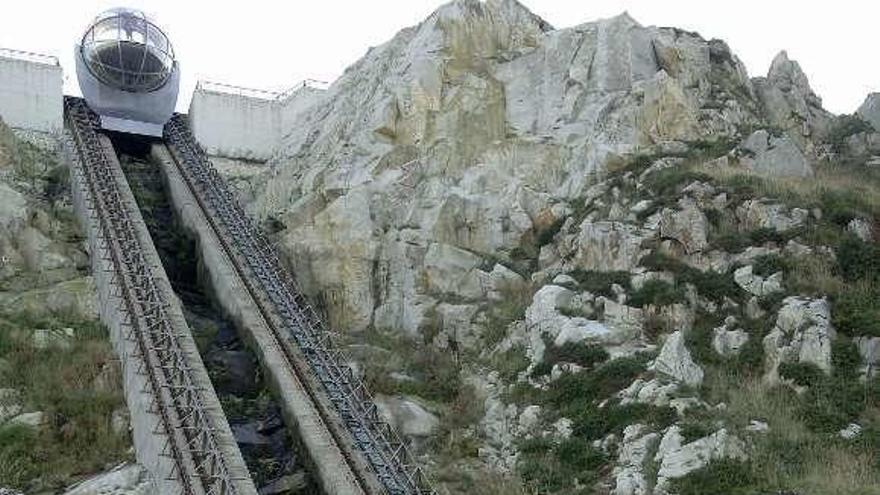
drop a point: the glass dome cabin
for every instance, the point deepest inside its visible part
(127, 72)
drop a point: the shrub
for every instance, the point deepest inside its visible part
(582, 354)
(855, 311)
(844, 127)
(858, 260)
(594, 423)
(575, 392)
(656, 293)
(510, 363)
(768, 264)
(711, 284)
(549, 468)
(727, 476)
(599, 283)
(802, 374)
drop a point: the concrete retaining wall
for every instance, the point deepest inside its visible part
(246, 124)
(150, 446)
(326, 459)
(234, 125)
(30, 91)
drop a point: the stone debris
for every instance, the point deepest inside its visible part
(755, 284)
(126, 479)
(678, 459)
(629, 473)
(851, 431)
(675, 362)
(803, 334)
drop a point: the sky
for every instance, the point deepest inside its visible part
(274, 44)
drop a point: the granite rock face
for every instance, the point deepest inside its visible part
(480, 129)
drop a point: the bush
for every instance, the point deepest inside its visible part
(858, 260)
(595, 423)
(549, 468)
(599, 283)
(711, 284)
(726, 476)
(581, 354)
(768, 264)
(656, 293)
(844, 127)
(802, 374)
(573, 393)
(855, 311)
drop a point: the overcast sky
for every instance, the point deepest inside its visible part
(273, 44)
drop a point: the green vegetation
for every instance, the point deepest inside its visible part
(657, 293)
(729, 477)
(599, 283)
(844, 127)
(581, 354)
(712, 285)
(61, 382)
(515, 298)
(570, 467)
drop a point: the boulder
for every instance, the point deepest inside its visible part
(544, 320)
(687, 225)
(728, 343)
(678, 459)
(791, 104)
(755, 284)
(676, 363)
(870, 110)
(629, 472)
(773, 156)
(127, 479)
(407, 416)
(762, 214)
(609, 246)
(802, 333)
(861, 228)
(30, 420)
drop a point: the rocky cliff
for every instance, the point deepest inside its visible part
(592, 259)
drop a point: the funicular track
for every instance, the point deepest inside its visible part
(199, 462)
(370, 446)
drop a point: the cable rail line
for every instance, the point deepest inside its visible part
(374, 454)
(198, 460)
(372, 448)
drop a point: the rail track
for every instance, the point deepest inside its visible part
(199, 463)
(373, 451)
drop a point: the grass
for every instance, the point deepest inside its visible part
(515, 298)
(59, 382)
(792, 456)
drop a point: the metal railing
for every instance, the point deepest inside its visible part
(378, 444)
(38, 58)
(198, 462)
(260, 94)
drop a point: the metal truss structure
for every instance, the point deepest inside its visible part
(176, 399)
(351, 412)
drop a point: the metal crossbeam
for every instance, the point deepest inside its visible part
(199, 464)
(383, 450)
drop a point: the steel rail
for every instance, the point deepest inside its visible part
(198, 461)
(355, 411)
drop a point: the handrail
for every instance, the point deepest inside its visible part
(39, 58)
(261, 94)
